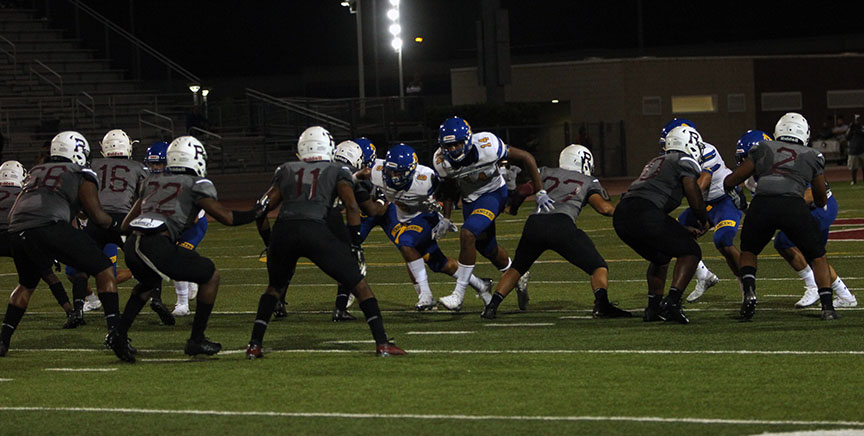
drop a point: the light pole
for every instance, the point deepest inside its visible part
(194, 87)
(204, 93)
(396, 43)
(354, 7)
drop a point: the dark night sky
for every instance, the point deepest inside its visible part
(231, 38)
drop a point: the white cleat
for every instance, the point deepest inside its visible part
(811, 296)
(522, 291)
(425, 302)
(486, 293)
(845, 302)
(91, 303)
(350, 300)
(702, 286)
(181, 310)
(193, 290)
(451, 302)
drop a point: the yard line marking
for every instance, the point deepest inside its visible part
(522, 324)
(547, 418)
(781, 295)
(513, 351)
(464, 332)
(575, 317)
(5, 379)
(81, 369)
(164, 360)
(364, 341)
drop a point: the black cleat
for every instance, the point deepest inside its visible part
(522, 291)
(164, 314)
(253, 351)
(194, 348)
(829, 314)
(748, 305)
(670, 311)
(279, 312)
(4, 348)
(609, 311)
(74, 319)
(652, 314)
(342, 315)
(119, 344)
(389, 349)
(489, 312)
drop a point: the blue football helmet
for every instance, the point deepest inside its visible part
(747, 141)
(156, 154)
(671, 125)
(454, 138)
(399, 166)
(369, 153)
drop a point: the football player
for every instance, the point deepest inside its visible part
(39, 225)
(571, 186)
(411, 215)
(305, 192)
(641, 220)
(724, 211)
(12, 175)
(167, 205)
(472, 160)
(783, 169)
(824, 216)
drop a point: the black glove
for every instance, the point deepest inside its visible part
(739, 199)
(357, 252)
(261, 206)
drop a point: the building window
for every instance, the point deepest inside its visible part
(652, 106)
(781, 101)
(693, 103)
(736, 103)
(846, 99)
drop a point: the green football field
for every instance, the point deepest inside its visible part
(549, 370)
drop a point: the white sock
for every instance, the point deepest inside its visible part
(92, 298)
(702, 271)
(182, 290)
(840, 289)
(806, 274)
(418, 270)
(476, 283)
(463, 278)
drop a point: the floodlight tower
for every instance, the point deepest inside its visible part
(396, 43)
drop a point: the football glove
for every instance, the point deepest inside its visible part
(432, 205)
(739, 199)
(443, 226)
(261, 206)
(544, 203)
(357, 251)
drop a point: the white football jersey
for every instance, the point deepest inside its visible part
(412, 201)
(713, 164)
(481, 176)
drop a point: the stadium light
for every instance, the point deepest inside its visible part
(204, 93)
(194, 87)
(396, 30)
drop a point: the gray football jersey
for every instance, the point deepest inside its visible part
(309, 188)
(50, 195)
(785, 169)
(660, 181)
(569, 189)
(8, 194)
(171, 200)
(118, 182)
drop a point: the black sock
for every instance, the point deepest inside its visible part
(79, 291)
(675, 295)
(59, 293)
(199, 324)
(111, 307)
(373, 318)
(156, 293)
(10, 322)
(132, 309)
(342, 297)
(748, 278)
(266, 304)
(497, 298)
(654, 301)
(601, 297)
(826, 297)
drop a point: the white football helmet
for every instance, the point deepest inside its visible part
(12, 173)
(577, 158)
(116, 143)
(349, 152)
(315, 144)
(72, 146)
(186, 152)
(686, 139)
(792, 128)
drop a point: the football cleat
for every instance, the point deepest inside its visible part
(193, 290)
(486, 293)
(253, 351)
(351, 299)
(91, 302)
(424, 303)
(748, 305)
(181, 310)
(670, 311)
(119, 344)
(4, 349)
(164, 314)
(828, 315)
(389, 349)
(845, 302)
(702, 286)
(279, 311)
(74, 319)
(451, 302)
(609, 311)
(652, 314)
(194, 348)
(489, 312)
(522, 291)
(342, 315)
(811, 296)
